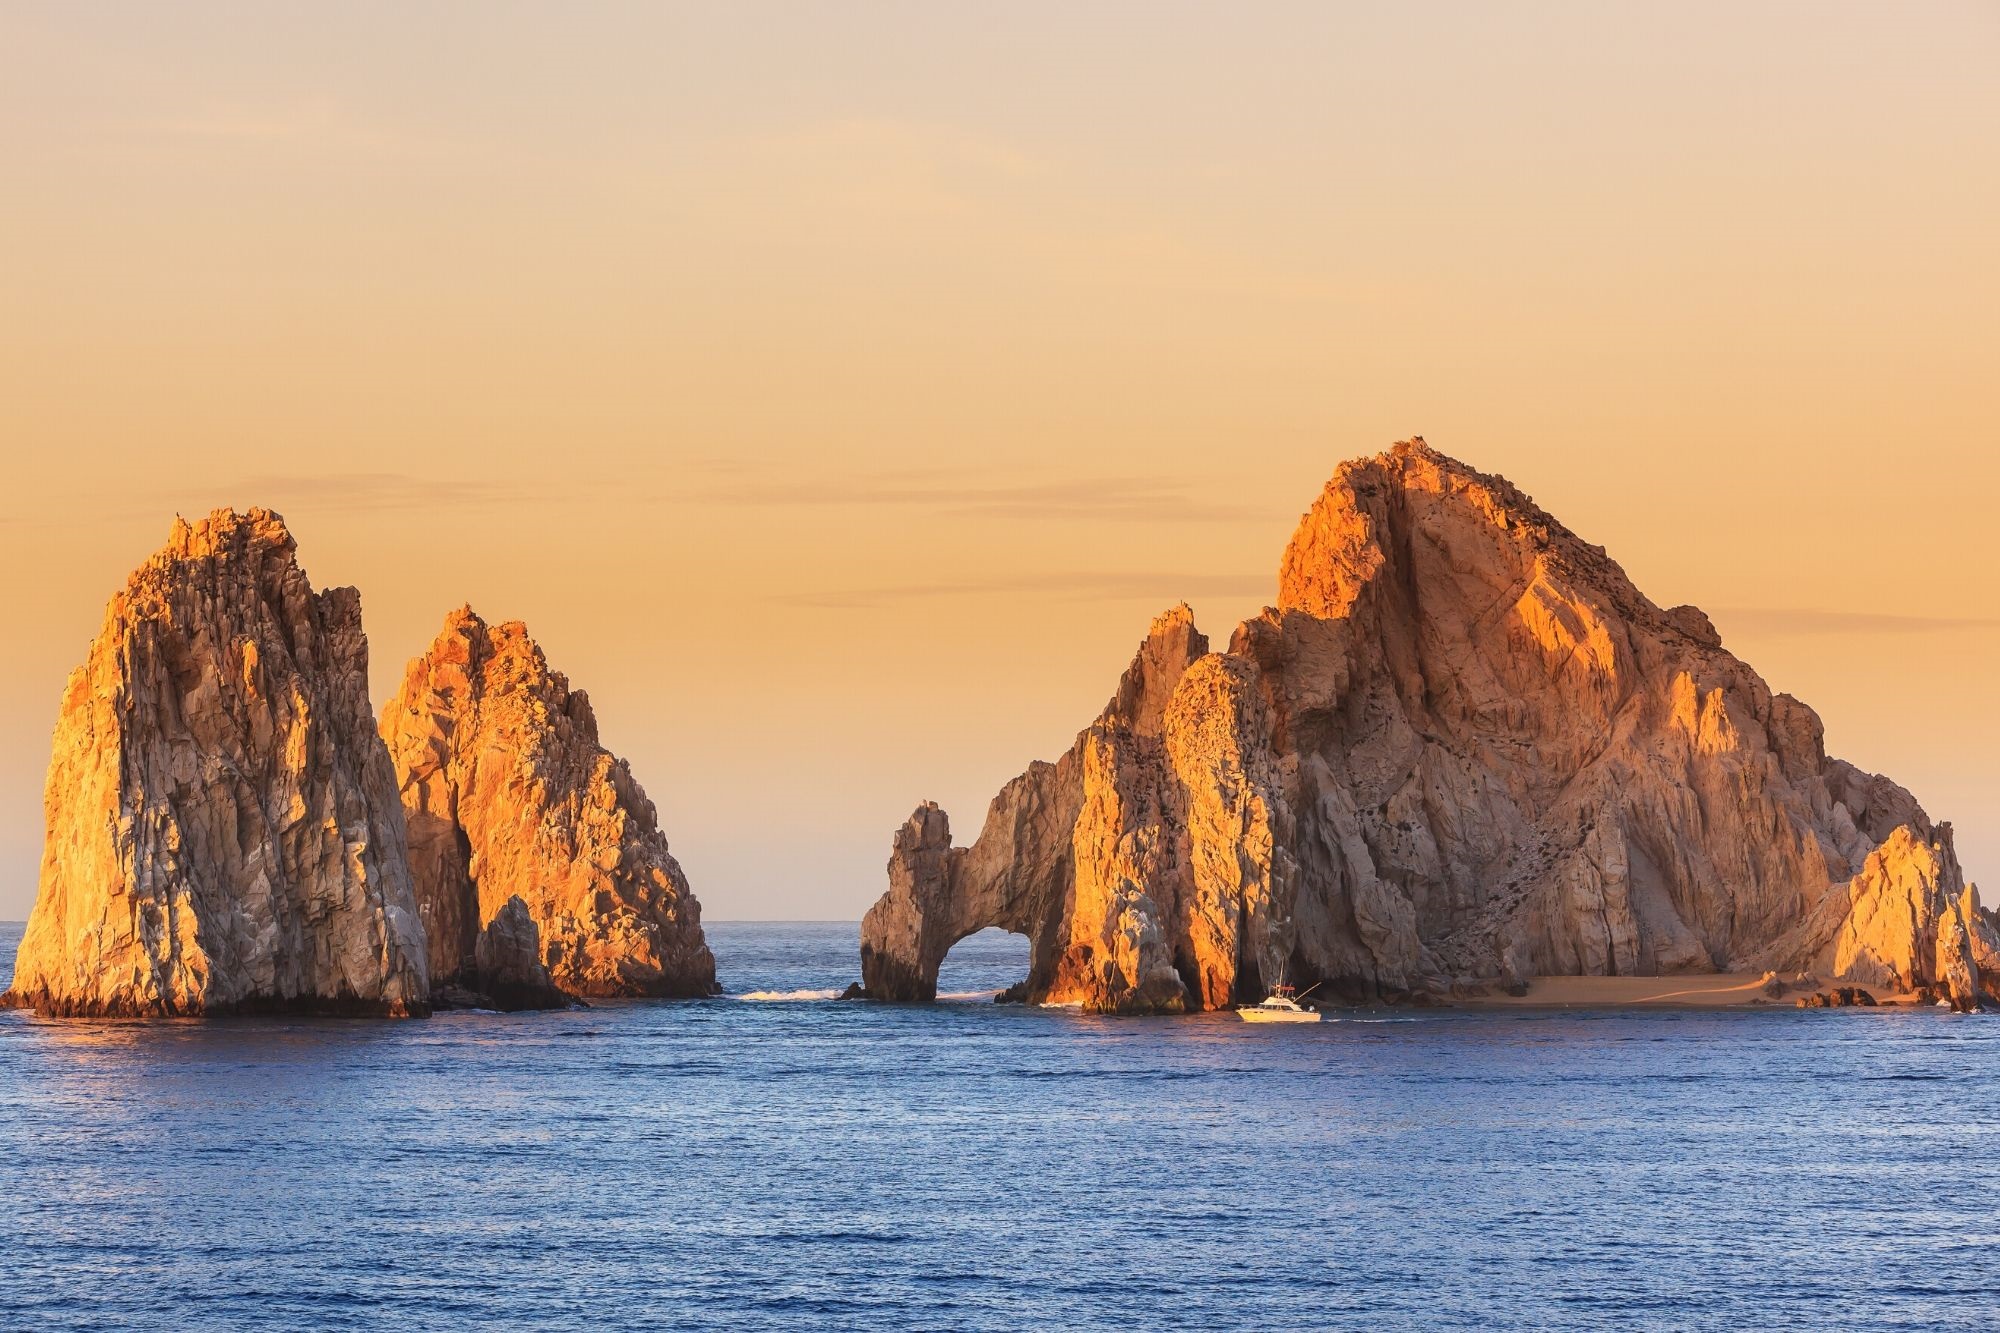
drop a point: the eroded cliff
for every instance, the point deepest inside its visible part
(1462, 748)
(223, 831)
(539, 863)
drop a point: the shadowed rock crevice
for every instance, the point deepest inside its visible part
(1461, 749)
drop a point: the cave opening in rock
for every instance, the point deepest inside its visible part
(983, 964)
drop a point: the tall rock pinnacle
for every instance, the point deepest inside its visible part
(223, 831)
(538, 860)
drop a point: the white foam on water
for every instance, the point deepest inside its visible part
(791, 995)
(965, 995)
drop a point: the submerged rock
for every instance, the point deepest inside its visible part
(540, 868)
(223, 832)
(1463, 746)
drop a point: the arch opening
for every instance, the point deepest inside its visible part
(985, 965)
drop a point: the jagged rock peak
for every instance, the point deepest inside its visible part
(509, 795)
(1342, 543)
(1462, 747)
(223, 833)
(1170, 646)
(223, 530)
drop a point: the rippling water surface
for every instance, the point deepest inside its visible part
(787, 1163)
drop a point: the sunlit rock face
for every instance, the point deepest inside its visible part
(539, 863)
(223, 830)
(1462, 747)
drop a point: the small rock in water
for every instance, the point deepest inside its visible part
(1843, 997)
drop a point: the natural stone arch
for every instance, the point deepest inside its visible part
(940, 894)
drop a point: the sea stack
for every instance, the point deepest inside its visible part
(223, 830)
(539, 864)
(1462, 749)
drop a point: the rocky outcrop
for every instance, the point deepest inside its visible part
(505, 969)
(1462, 749)
(539, 864)
(1905, 920)
(223, 831)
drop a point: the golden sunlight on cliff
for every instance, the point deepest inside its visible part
(877, 416)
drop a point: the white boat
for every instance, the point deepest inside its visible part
(1280, 1006)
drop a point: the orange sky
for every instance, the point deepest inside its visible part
(837, 391)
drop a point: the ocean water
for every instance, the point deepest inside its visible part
(787, 1163)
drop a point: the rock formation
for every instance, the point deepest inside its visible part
(223, 828)
(1462, 748)
(539, 863)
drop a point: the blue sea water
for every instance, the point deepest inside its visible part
(798, 1163)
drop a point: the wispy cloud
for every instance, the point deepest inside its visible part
(1068, 587)
(1116, 499)
(372, 490)
(316, 125)
(237, 124)
(1795, 621)
(847, 139)
(886, 169)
